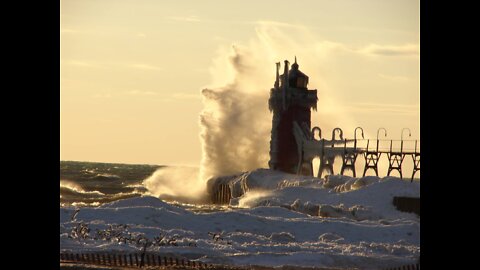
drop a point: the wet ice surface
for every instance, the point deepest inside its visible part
(343, 222)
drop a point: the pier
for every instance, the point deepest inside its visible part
(310, 147)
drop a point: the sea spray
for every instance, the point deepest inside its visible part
(176, 184)
(235, 121)
(255, 198)
(71, 185)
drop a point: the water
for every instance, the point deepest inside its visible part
(93, 183)
(87, 184)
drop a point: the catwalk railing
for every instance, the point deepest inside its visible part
(310, 147)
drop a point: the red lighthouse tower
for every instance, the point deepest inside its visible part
(290, 101)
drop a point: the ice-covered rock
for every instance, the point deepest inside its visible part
(282, 237)
(306, 208)
(330, 237)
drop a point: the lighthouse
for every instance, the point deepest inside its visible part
(290, 101)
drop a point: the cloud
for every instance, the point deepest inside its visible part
(166, 100)
(102, 95)
(145, 67)
(383, 108)
(186, 96)
(133, 92)
(391, 50)
(191, 18)
(276, 23)
(136, 92)
(326, 48)
(110, 65)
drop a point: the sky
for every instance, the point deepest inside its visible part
(132, 71)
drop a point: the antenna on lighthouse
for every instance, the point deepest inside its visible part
(277, 78)
(285, 86)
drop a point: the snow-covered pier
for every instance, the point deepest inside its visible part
(309, 147)
(293, 143)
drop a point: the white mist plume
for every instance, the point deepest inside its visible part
(253, 198)
(236, 122)
(176, 183)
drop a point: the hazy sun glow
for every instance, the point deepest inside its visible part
(132, 71)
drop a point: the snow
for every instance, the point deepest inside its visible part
(276, 219)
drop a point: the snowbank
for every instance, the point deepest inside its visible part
(285, 220)
(368, 197)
